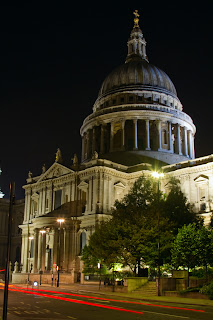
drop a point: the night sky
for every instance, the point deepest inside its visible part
(53, 59)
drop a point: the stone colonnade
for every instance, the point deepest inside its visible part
(42, 252)
(155, 135)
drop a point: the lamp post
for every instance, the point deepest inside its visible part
(60, 221)
(29, 256)
(99, 268)
(42, 233)
(158, 175)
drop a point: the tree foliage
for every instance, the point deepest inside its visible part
(177, 208)
(142, 220)
(193, 246)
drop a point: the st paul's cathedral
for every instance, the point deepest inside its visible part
(137, 124)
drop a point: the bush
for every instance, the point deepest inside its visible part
(208, 289)
(201, 273)
(196, 289)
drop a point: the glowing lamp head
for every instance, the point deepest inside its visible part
(60, 220)
(35, 283)
(43, 231)
(157, 175)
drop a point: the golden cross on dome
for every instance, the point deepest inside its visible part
(136, 19)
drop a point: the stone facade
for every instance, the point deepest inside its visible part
(137, 124)
(17, 218)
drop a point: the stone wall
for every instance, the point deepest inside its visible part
(65, 278)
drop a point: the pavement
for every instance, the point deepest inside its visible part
(94, 289)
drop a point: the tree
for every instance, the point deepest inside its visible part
(131, 237)
(192, 247)
(177, 208)
(90, 261)
(141, 222)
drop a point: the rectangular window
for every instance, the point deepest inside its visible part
(31, 248)
(57, 199)
(47, 204)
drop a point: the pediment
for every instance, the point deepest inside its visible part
(55, 171)
(35, 196)
(83, 185)
(119, 185)
(201, 179)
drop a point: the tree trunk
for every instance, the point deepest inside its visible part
(206, 272)
(139, 267)
(135, 270)
(188, 279)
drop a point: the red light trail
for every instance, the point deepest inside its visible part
(72, 300)
(36, 291)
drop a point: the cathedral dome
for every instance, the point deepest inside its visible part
(137, 114)
(139, 73)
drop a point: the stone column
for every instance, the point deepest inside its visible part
(90, 195)
(95, 192)
(35, 251)
(185, 142)
(190, 143)
(51, 197)
(102, 139)
(39, 207)
(72, 249)
(170, 138)
(44, 191)
(123, 135)
(39, 250)
(24, 252)
(178, 140)
(159, 135)
(83, 147)
(43, 253)
(55, 245)
(25, 206)
(100, 191)
(66, 248)
(193, 147)
(93, 140)
(147, 136)
(111, 136)
(88, 143)
(135, 134)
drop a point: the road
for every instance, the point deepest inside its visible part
(52, 304)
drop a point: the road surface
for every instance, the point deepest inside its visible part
(53, 304)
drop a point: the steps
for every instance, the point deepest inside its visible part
(149, 289)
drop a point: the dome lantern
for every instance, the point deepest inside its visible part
(136, 43)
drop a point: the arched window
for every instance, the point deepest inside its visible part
(83, 239)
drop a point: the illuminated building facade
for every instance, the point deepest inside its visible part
(137, 124)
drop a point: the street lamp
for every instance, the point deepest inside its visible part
(29, 256)
(158, 175)
(42, 233)
(60, 221)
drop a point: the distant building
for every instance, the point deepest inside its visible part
(137, 125)
(17, 219)
(1, 193)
